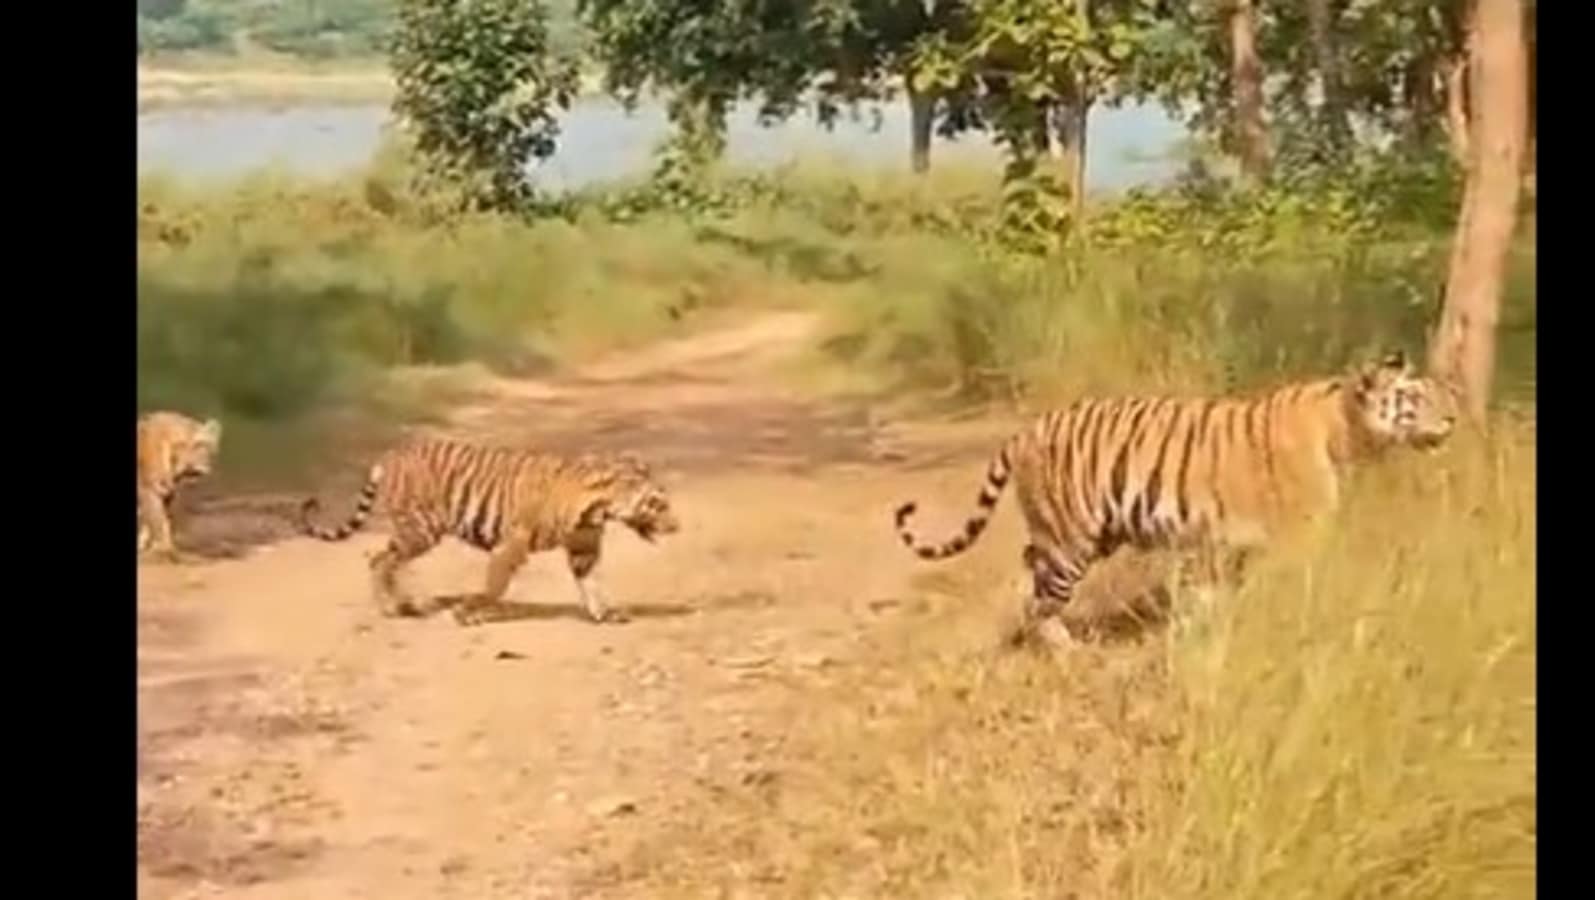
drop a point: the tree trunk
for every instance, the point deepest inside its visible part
(1422, 101)
(1456, 107)
(1246, 76)
(1070, 125)
(921, 109)
(1531, 39)
(1463, 346)
(1321, 16)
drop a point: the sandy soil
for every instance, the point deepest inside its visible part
(294, 744)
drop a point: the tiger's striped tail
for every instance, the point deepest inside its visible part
(997, 474)
(362, 511)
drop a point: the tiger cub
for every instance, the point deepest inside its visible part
(173, 450)
(510, 503)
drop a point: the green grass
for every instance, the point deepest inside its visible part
(273, 301)
(260, 296)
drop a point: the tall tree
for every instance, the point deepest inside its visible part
(921, 124)
(1037, 67)
(1323, 22)
(1246, 81)
(1463, 346)
(706, 54)
(478, 89)
(866, 48)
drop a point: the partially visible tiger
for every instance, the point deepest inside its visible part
(173, 450)
(508, 502)
(1161, 472)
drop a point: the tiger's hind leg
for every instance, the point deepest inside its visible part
(411, 538)
(506, 559)
(1212, 569)
(583, 551)
(155, 526)
(1054, 574)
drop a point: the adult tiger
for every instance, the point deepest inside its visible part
(173, 450)
(1160, 472)
(508, 502)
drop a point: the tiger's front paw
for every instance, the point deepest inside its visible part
(402, 608)
(468, 616)
(1054, 634)
(608, 617)
(473, 610)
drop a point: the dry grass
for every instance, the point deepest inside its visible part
(1362, 716)
(167, 86)
(1357, 721)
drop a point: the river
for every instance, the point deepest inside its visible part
(599, 141)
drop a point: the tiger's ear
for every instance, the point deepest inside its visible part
(1372, 374)
(211, 431)
(1390, 362)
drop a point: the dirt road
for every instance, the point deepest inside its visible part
(293, 744)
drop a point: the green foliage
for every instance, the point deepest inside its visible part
(710, 53)
(302, 29)
(328, 30)
(1015, 65)
(184, 29)
(863, 47)
(1387, 59)
(1196, 284)
(267, 297)
(478, 87)
(706, 56)
(1192, 285)
(1379, 198)
(160, 9)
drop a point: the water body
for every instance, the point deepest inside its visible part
(600, 141)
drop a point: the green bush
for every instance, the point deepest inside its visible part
(328, 30)
(191, 29)
(258, 297)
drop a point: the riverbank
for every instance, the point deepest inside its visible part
(196, 81)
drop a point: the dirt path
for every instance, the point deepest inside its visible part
(293, 744)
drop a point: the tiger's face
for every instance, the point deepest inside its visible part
(1397, 405)
(644, 507)
(194, 455)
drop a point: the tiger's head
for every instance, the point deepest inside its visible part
(193, 452)
(1393, 403)
(641, 501)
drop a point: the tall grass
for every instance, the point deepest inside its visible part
(1357, 721)
(1360, 717)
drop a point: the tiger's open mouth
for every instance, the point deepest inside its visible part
(651, 529)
